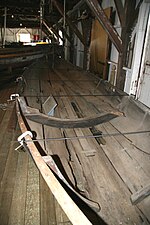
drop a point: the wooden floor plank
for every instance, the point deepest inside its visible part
(47, 202)
(32, 210)
(61, 216)
(7, 184)
(115, 170)
(18, 205)
(102, 169)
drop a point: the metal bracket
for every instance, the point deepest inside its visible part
(13, 96)
(21, 138)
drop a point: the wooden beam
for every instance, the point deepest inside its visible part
(19, 4)
(69, 22)
(102, 18)
(5, 19)
(120, 11)
(51, 30)
(34, 115)
(129, 9)
(65, 34)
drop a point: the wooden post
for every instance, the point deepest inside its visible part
(41, 16)
(5, 19)
(86, 30)
(1, 35)
(129, 10)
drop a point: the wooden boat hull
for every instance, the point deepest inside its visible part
(77, 157)
(56, 182)
(22, 56)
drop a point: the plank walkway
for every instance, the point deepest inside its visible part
(106, 170)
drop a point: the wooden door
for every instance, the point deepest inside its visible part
(99, 47)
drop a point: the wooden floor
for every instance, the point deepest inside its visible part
(106, 170)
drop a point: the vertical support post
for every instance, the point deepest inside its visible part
(41, 16)
(1, 35)
(64, 24)
(68, 20)
(53, 61)
(5, 20)
(86, 29)
(129, 9)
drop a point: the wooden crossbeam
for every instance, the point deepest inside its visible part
(34, 115)
(51, 30)
(104, 21)
(65, 34)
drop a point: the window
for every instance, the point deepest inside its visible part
(24, 37)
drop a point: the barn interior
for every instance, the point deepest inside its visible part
(73, 61)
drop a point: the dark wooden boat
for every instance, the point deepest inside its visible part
(24, 55)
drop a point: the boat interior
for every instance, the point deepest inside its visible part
(106, 164)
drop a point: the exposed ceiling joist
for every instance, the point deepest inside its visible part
(69, 22)
(20, 4)
(102, 18)
(51, 30)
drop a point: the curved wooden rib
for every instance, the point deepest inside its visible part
(73, 212)
(34, 115)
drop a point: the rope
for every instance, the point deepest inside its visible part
(64, 25)
(75, 95)
(88, 136)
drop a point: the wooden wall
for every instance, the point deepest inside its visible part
(99, 47)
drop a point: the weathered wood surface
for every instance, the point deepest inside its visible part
(91, 105)
(35, 116)
(51, 163)
(116, 170)
(68, 85)
(140, 194)
(70, 208)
